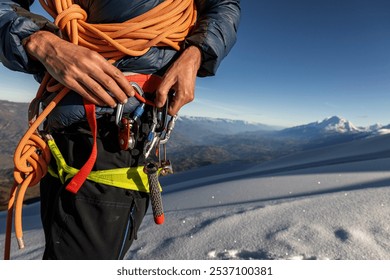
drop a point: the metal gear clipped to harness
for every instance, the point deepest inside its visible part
(157, 139)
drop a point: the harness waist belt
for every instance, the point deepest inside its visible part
(131, 178)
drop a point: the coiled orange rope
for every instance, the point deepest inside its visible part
(165, 25)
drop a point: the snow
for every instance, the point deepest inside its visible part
(327, 204)
(383, 131)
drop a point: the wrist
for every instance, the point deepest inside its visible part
(38, 44)
(195, 54)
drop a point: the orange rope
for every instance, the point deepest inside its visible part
(165, 25)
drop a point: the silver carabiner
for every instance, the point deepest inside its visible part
(153, 137)
(119, 113)
(120, 107)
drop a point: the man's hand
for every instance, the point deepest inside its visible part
(80, 69)
(180, 77)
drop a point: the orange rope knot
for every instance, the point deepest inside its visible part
(31, 158)
(68, 20)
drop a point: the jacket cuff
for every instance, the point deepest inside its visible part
(19, 33)
(212, 47)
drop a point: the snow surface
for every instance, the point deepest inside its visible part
(332, 203)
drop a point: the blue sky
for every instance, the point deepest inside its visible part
(295, 61)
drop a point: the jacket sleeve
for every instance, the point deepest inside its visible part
(215, 32)
(16, 24)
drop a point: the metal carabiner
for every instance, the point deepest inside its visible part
(120, 107)
(119, 113)
(168, 130)
(153, 136)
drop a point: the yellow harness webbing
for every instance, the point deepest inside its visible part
(131, 178)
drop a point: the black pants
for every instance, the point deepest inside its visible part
(100, 221)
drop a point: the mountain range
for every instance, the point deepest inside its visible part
(201, 141)
(327, 126)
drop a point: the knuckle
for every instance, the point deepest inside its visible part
(109, 82)
(66, 79)
(97, 88)
(117, 74)
(94, 55)
(190, 98)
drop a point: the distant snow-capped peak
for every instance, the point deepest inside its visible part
(337, 124)
(331, 125)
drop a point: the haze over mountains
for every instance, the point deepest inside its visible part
(201, 141)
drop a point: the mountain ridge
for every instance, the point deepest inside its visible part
(202, 141)
(223, 137)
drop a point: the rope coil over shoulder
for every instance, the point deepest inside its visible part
(167, 24)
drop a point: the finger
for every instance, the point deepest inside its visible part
(111, 79)
(178, 100)
(112, 87)
(121, 81)
(105, 83)
(95, 91)
(173, 108)
(83, 92)
(175, 103)
(162, 93)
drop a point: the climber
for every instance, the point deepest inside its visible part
(97, 220)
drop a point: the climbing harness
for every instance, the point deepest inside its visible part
(167, 24)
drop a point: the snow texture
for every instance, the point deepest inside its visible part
(332, 203)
